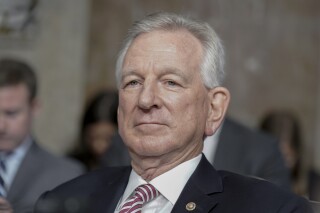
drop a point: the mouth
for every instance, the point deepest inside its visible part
(150, 128)
(149, 124)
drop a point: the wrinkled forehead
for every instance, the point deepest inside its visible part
(15, 91)
(173, 45)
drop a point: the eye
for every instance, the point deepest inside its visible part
(132, 83)
(12, 113)
(172, 83)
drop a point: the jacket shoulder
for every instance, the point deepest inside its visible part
(250, 192)
(54, 162)
(85, 192)
(91, 181)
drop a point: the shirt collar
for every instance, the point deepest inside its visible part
(22, 149)
(18, 151)
(177, 177)
(14, 160)
(210, 145)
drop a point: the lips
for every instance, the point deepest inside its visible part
(150, 128)
(148, 123)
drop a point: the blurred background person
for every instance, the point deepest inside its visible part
(240, 149)
(98, 130)
(26, 169)
(117, 154)
(286, 127)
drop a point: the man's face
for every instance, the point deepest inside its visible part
(163, 103)
(16, 114)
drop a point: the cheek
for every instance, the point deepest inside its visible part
(126, 111)
(194, 109)
(194, 114)
(121, 121)
(125, 106)
(21, 125)
(120, 118)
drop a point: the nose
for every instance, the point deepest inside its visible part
(149, 97)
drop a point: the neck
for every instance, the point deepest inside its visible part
(151, 167)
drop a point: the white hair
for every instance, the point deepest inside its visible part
(212, 71)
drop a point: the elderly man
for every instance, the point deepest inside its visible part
(169, 74)
(26, 169)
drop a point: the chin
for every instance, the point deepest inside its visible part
(152, 148)
(8, 144)
(4, 147)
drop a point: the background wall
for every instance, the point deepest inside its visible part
(58, 54)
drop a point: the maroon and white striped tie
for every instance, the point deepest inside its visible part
(142, 195)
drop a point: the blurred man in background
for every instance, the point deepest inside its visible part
(239, 149)
(26, 169)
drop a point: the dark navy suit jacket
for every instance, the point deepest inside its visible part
(211, 191)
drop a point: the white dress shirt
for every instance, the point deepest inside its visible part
(13, 161)
(210, 145)
(169, 184)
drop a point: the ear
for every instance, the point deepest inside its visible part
(219, 98)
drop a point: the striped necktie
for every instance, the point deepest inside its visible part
(3, 169)
(142, 195)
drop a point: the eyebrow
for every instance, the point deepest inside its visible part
(129, 73)
(163, 71)
(175, 71)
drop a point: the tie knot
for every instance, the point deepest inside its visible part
(146, 192)
(142, 194)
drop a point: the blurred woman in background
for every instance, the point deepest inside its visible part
(286, 127)
(98, 126)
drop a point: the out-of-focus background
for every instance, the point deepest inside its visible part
(272, 57)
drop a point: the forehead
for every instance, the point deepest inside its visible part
(13, 94)
(172, 46)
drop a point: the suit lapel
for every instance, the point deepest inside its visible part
(20, 181)
(202, 189)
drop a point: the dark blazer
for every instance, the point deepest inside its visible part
(211, 191)
(39, 171)
(247, 152)
(314, 186)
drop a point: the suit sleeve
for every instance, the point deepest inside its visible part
(42, 205)
(296, 205)
(272, 167)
